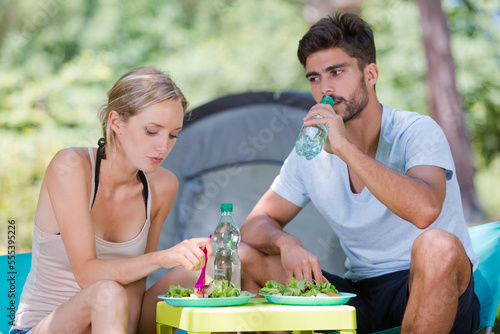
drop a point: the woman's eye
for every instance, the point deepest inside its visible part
(151, 133)
(173, 136)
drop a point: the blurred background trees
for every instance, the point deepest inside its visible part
(58, 59)
(445, 103)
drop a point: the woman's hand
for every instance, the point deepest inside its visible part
(189, 254)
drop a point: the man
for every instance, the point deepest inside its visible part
(386, 184)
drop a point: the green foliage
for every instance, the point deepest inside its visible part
(58, 59)
(475, 47)
(475, 36)
(400, 53)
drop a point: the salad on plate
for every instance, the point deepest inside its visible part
(213, 289)
(300, 288)
(304, 293)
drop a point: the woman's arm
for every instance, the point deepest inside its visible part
(69, 194)
(164, 186)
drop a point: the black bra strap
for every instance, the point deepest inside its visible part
(101, 154)
(142, 177)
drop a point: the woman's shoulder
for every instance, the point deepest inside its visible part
(71, 160)
(164, 185)
(73, 152)
(163, 181)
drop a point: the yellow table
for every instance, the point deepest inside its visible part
(256, 315)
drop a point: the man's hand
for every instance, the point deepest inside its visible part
(337, 135)
(301, 264)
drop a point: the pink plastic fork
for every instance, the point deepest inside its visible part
(199, 287)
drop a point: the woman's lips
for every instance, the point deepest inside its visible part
(155, 160)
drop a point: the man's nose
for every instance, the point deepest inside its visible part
(327, 89)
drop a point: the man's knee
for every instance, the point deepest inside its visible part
(439, 250)
(248, 255)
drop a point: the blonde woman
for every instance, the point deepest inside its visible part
(99, 216)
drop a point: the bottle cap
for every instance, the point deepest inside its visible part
(226, 207)
(327, 100)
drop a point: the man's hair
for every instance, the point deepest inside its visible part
(345, 31)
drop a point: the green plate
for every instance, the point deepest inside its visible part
(207, 302)
(299, 300)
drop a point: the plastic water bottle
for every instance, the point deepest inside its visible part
(227, 238)
(312, 138)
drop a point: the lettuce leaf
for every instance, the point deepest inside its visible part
(219, 289)
(297, 288)
(224, 289)
(177, 291)
(325, 287)
(272, 288)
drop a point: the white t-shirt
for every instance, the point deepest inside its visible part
(375, 240)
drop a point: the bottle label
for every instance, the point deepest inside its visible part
(219, 272)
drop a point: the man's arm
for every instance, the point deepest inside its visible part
(416, 196)
(263, 230)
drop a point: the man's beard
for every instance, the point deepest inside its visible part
(355, 105)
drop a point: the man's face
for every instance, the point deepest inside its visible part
(332, 72)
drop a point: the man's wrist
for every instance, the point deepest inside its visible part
(287, 240)
(346, 150)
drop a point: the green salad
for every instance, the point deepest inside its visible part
(214, 289)
(299, 288)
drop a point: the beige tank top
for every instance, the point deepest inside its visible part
(50, 281)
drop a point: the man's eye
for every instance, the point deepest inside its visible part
(337, 72)
(313, 79)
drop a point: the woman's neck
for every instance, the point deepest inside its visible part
(116, 170)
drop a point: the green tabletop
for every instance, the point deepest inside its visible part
(257, 315)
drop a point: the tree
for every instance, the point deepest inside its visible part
(445, 103)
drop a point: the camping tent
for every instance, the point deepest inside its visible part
(230, 151)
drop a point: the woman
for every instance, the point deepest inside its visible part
(99, 216)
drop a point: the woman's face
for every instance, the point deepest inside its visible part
(148, 137)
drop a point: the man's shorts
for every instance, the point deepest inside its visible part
(381, 302)
(20, 331)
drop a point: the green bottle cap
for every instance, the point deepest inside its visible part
(226, 207)
(327, 100)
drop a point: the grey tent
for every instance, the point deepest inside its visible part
(230, 151)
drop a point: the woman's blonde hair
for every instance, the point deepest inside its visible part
(134, 91)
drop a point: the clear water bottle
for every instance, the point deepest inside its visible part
(312, 138)
(227, 238)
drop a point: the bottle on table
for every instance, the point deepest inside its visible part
(226, 239)
(312, 138)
